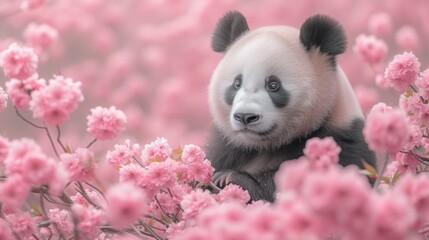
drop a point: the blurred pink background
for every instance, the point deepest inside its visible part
(152, 58)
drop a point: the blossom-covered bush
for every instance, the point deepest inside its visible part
(153, 78)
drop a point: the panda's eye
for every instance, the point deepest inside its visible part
(272, 83)
(237, 82)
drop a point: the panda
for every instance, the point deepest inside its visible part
(274, 88)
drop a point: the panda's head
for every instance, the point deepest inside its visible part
(275, 83)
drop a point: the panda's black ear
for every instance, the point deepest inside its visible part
(323, 32)
(227, 30)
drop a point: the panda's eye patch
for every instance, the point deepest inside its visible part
(272, 83)
(237, 81)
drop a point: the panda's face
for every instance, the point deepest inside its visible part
(263, 91)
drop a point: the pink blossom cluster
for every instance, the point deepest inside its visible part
(26, 166)
(54, 102)
(106, 123)
(386, 129)
(315, 203)
(18, 62)
(370, 48)
(40, 36)
(402, 71)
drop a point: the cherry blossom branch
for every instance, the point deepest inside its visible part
(40, 127)
(84, 194)
(10, 14)
(155, 219)
(59, 138)
(380, 174)
(92, 142)
(162, 209)
(96, 189)
(149, 228)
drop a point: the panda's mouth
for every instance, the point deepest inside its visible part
(260, 133)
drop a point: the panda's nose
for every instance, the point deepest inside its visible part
(246, 118)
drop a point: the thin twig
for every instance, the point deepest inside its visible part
(380, 173)
(84, 194)
(40, 127)
(92, 142)
(59, 139)
(162, 209)
(138, 162)
(151, 231)
(96, 189)
(156, 219)
(10, 14)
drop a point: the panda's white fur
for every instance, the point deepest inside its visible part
(316, 90)
(316, 99)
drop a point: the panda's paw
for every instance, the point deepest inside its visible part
(223, 178)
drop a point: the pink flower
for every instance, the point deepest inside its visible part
(407, 38)
(159, 175)
(402, 71)
(31, 4)
(106, 123)
(132, 173)
(168, 203)
(122, 154)
(55, 102)
(234, 193)
(193, 153)
(380, 23)
(80, 164)
(63, 219)
(198, 171)
(22, 225)
(266, 223)
(157, 149)
(386, 131)
(423, 83)
(58, 181)
(4, 149)
(18, 62)
(19, 91)
(370, 48)
(379, 108)
(40, 36)
(195, 202)
(416, 189)
(394, 219)
(126, 204)
(175, 228)
(37, 168)
(291, 174)
(415, 137)
(89, 220)
(413, 106)
(92, 194)
(5, 231)
(18, 150)
(3, 99)
(14, 191)
(342, 203)
(322, 153)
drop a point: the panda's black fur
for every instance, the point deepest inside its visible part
(234, 162)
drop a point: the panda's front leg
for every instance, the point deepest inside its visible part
(259, 187)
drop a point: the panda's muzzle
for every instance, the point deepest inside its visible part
(247, 118)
